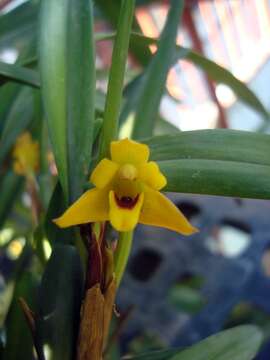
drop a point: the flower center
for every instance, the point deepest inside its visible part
(126, 202)
(128, 172)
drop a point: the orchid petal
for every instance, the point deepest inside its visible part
(124, 219)
(158, 210)
(92, 206)
(103, 173)
(129, 152)
(150, 174)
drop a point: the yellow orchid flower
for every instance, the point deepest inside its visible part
(25, 155)
(126, 193)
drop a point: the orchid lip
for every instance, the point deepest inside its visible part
(126, 202)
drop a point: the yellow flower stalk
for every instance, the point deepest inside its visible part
(127, 192)
(25, 155)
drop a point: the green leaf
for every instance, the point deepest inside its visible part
(11, 99)
(240, 343)
(116, 77)
(67, 63)
(18, 27)
(10, 187)
(8, 93)
(40, 133)
(18, 117)
(144, 2)
(215, 162)
(155, 355)
(216, 72)
(81, 81)
(164, 127)
(56, 207)
(217, 177)
(218, 144)
(100, 102)
(111, 10)
(156, 74)
(15, 73)
(19, 340)
(59, 302)
(97, 128)
(221, 75)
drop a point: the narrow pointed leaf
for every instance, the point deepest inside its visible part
(81, 82)
(19, 115)
(215, 162)
(218, 144)
(217, 177)
(18, 27)
(59, 300)
(216, 72)
(156, 74)
(111, 10)
(68, 82)
(16, 73)
(155, 355)
(242, 342)
(16, 110)
(164, 127)
(56, 207)
(8, 93)
(19, 339)
(10, 187)
(221, 75)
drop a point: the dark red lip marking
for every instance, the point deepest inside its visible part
(126, 202)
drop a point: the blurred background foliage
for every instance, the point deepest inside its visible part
(196, 83)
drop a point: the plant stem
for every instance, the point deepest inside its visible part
(116, 78)
(122, 254)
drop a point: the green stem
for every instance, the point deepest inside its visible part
(122, 254)
(116, 78)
